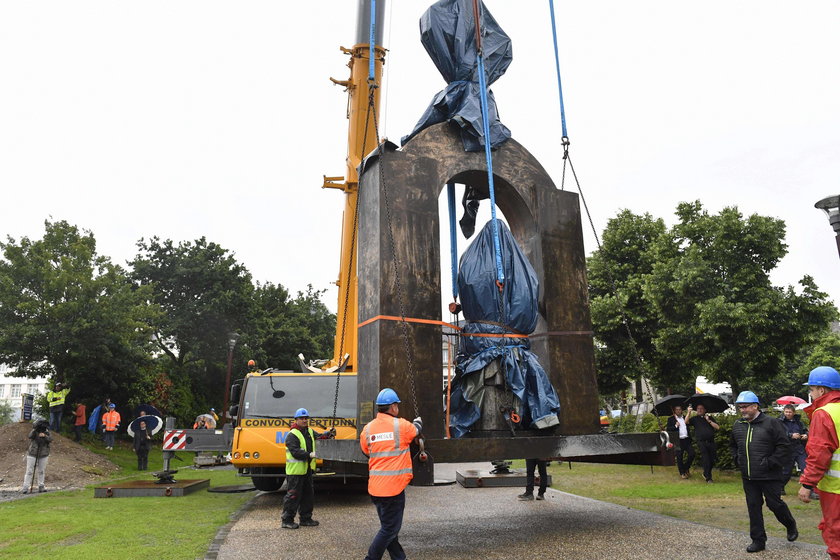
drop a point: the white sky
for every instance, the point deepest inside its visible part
(217, 119)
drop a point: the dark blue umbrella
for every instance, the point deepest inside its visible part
(148, 409)
(153, 423)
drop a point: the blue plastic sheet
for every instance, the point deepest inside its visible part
(447, 31)
(489, 311)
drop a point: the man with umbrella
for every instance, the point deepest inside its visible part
(822, 467)
(678, 430)
(705, 427)
(761, 448)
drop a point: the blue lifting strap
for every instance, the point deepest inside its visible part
(371, 71)
(557, 64)
(453, 239)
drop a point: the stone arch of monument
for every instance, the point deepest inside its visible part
(546, 223)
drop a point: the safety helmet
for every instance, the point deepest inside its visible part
(301, 413)
(252, 363)
(112, 405)
(387, 396)
(824, 376)
(747, 397)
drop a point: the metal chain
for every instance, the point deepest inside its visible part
(408, 342)
(643, 367)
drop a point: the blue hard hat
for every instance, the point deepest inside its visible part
(824, 376)
(387, 396)
(301, 413)
(112, 405)
(747, 397)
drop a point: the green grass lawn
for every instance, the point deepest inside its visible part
(73, 524)
(661, 490)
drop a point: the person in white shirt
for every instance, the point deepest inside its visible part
(678, 431)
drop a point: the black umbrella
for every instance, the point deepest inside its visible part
(148, 409)
(713, 403)
(153, 423)
(665, 405)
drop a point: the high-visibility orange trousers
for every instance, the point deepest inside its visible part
(830, 523)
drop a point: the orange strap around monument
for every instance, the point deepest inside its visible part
(457, 328)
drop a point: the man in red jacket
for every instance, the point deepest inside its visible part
(822, 466)
(386, 440)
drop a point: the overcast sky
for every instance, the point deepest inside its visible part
(204, 118)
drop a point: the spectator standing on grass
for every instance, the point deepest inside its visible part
(110, 425)
(37, 456)
(761, 447)
(80, 413)
(56, 398)
(142, 446)
(530, 466)
(798, 435)
(822, 466)
(678, 431)
(704, 430)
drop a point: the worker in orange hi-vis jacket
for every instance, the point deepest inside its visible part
(110, 425)
(386, 440)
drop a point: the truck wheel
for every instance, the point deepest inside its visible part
(267, 483)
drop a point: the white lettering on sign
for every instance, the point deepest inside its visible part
(384, 436)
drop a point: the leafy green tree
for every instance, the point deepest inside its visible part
(205, 294)
(625, 323)
(721, 316)
(288, 327)
(67, 312)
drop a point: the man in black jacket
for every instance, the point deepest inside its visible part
(761, 449)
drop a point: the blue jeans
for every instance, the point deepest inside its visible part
(55, 419)
(390, 511)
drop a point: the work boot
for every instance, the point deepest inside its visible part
(526, 497)
(541, 496)
(792, 533)
(756, 546)
(289, 525)
(308, 523)
(41, 488)
(24, 490)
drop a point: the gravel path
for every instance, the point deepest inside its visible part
(451, 522)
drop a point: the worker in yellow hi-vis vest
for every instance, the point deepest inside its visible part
(55, 399)
(822, 466)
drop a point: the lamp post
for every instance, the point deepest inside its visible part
(232, 338)
(831, 206)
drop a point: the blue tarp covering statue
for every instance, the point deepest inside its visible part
(447, 31)
(511, 311)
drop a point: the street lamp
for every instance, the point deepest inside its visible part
(232, 338)
(831, 206)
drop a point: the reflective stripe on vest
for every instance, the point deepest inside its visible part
(56, 398)
(389, 455)
(298, 466)
(110, 420)
(830, 482)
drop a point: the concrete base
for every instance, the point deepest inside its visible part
(481, 479)
(142, 488)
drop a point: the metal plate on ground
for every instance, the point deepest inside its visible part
(481, 479)
(143, 488)
(232, 489)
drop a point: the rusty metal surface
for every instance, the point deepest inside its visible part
(641, 449)
(546, 223)
(146, 488)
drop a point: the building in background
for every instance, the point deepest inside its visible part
(11, 388)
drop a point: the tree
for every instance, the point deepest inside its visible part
(205, 295)
(616, 273)
(721, 316)
(69, 312)
(289, 327)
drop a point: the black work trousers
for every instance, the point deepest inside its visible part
(142, 459)
(300, 496)
(530, 466)
(708, 456)
(685, 455)
(759, 491)
(77, 430)
(390, 510)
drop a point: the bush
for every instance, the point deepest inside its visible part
(5, 413)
